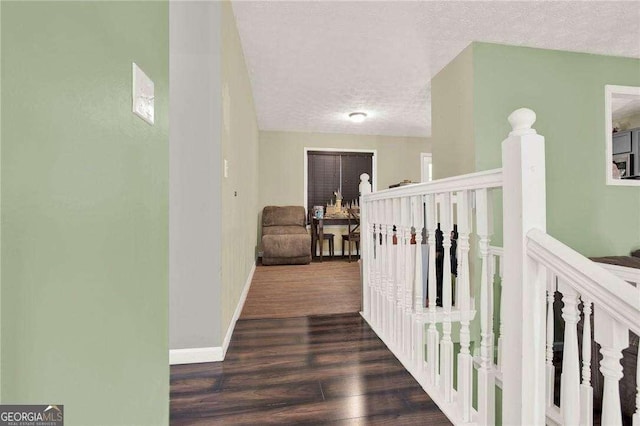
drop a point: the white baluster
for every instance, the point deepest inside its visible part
(636, 415)
(418, 301)
(383, 267)
(408, 277)
(389, 263)
(401, 267)
(378, 274)
(486, 376)
(550, 369)
(371, 263)
(433, 337)
(493, 267)
(384, 259)
(375, 254)
(380, 265)
(398, 271)
(365, 246)
(501, 328)
(613, 337)
(570, 379)
(446, 346)
(375, 304)
(586, 390)
(366, 251)
(465, 360)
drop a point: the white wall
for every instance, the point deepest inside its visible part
(195, 176)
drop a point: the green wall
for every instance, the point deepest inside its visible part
(566, 90)
(84, 211)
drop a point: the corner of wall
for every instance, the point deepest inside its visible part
(195, 202)
(452, 121)
(1, 399)
(239, 195)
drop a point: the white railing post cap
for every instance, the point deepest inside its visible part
(521, 121)
(365, 185)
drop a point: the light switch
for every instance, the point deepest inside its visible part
(143, 95)
(226, 169)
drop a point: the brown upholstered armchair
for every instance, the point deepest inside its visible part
(285, 240)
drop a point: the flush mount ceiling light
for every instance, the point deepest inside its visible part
(357, 117)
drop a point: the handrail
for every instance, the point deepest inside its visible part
(486, 179)
(496, 251)
(615, 296)
(624, 272)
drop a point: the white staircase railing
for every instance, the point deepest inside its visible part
(423, 299)
(394, 299)
(615, 304)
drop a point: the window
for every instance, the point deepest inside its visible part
(329, 171)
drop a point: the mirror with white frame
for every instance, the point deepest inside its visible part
(622, 135)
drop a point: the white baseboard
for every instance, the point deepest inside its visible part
(236, 314)
(217, 353)
(195, 355)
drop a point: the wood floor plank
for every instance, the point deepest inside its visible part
(359, 385)
(400, 418)
(324, 411)
(310, 375)
(258, 399)
(329, 368)
(301, 290)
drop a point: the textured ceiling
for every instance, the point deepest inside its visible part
(311, 63)
(623, 106)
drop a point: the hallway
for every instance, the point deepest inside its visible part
(285, 291)
(321, 369)
(313, 368)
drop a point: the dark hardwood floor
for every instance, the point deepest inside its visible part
(328, 369)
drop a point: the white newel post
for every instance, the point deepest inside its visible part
(524, 206)
(366, 248)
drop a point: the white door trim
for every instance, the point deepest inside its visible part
(424, 155)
